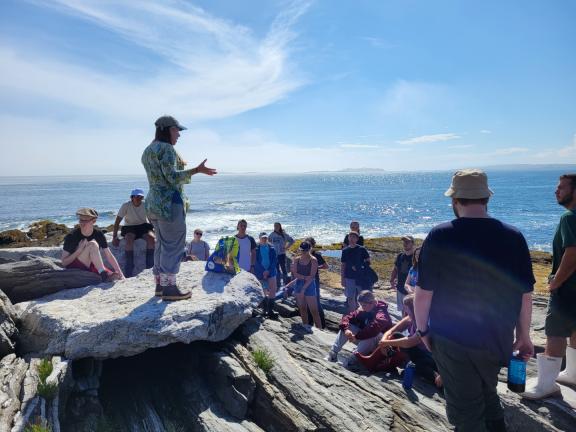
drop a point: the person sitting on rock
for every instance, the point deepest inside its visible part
(136, 225)
(265, 271)
(411, 345)
(82, 248)
(198, 249)
(364, 326)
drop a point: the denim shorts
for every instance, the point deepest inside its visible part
(310, 290)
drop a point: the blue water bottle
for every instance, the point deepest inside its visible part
(517, 373)
(408, 376)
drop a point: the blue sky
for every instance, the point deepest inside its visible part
(287, 86)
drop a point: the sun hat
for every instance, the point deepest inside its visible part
(304, 246)
(469, 184)
(167, 122)
(137, 192)
(263, 234)
(86, 211)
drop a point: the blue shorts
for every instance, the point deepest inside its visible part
(310, 290)
(260, 275)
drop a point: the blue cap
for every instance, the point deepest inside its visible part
(137, 192)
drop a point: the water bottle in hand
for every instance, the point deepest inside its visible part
(517, 373)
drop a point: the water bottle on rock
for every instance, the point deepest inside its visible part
(408, 375)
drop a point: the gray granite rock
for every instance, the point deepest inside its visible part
(124, 318)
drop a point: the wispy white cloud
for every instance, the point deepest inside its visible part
(359, 146)
(213, 68)
(424, 139)
(378, 42)
(485, 131)
(460, 146)
(561, 154)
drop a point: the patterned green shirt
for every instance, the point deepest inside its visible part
(166, 175)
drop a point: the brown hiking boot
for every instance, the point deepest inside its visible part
(172, 292)
(159, 290)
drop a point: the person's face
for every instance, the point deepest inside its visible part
(86, 222)
(242, 227)
(355, 226)
(352, 240)
(408, 245)
(367, 307)
(277, 227)
(197, 235)
(174, 135)
(564, 192)
(263, 240)
(136, 200)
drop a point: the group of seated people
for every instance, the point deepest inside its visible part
(381, 345)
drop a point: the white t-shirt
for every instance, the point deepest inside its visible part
(133, 215)
(244, 252)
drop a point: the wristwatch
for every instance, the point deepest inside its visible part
(423, 333)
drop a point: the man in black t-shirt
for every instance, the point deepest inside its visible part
(82, 248)
(474, 294)
(399, 274)
(352, 260)
(354, 226)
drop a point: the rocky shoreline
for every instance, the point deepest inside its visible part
(122, 360)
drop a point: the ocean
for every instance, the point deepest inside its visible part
(312, 204)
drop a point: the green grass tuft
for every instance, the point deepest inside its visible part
(45, 390)
(263, 359)
(44, 369)
(38, 426)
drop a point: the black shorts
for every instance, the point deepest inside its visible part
(137, 230)
(560, 321)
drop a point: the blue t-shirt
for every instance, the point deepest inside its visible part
(265, 256)
(478, 269)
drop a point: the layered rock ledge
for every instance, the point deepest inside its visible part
(124, 318)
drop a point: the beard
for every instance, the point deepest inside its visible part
(455, 210)
(566, 199)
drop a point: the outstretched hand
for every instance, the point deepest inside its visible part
(202, 168)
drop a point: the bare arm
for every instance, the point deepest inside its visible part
(523, 342)
(68, 258)
(405, 342)
(115, 240)
(400, 326)
(393, 277)
(312, 276)
(566, 268)
(422, 302)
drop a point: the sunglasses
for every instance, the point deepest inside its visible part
(198, 234)
(85, 220)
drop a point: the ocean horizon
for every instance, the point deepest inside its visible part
(318, 204)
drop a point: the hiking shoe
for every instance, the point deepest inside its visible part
(159, 290)
(331, 356)
(172, 293)
(272, 315)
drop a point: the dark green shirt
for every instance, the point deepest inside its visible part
(564, 237)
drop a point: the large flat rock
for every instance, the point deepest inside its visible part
(124, 318)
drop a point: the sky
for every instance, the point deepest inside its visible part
(279, 86)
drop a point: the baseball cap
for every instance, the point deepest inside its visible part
(263, 234)
(304, 246)
(408, 237)
(167, 122)
(137, 192)
(86, 211)
(469, 184)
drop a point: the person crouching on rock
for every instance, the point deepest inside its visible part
(364, 326)
(83, 245)
(265, 271)
(411, 345)
(166, 204)
(136, 226)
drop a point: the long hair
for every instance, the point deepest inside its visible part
(163, 134)
(280, 227)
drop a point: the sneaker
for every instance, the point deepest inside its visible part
(173, 293)
(159, 290)
(331, 356)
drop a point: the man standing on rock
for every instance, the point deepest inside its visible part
(247, 247)
(351, 262)
(82, 248)
(474, 292)
(561, 315)
(136, 225)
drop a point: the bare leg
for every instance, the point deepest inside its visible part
(91, 255)
(302, 307)
(313, 306)
(150, 240)
(556, 346)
